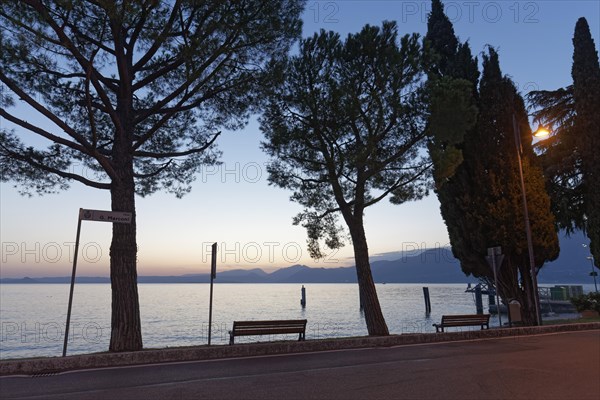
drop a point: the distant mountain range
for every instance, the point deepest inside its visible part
(430, 266)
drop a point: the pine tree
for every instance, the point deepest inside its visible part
(137, 93)
(345, 130)
(560, 160)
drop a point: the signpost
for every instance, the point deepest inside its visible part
(213, 275)
(89, 215)
(494, 258)
(105, 216)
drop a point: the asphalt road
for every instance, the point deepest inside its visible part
(552, 366)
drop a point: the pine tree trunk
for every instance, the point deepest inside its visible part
(126, 331)
(376, 325)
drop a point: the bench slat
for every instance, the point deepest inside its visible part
(243, 324)
(272, 327)
(242, 328)
(249, 332)
(271, 321)
(463, 320)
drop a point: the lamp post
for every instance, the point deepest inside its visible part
(539, 133)
(593, 273)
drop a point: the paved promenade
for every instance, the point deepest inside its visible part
(561, 366)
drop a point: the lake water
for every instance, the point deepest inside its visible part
(33, 316)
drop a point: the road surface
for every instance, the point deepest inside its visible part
(552, 366)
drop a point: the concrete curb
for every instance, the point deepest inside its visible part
(36, 366)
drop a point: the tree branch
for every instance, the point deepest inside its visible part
(159, 40)
(171, 111)
(150, 154)
(147, 7)
(399, 183)
(153, 173)
(62, 174)
(403, 149)
(42, 132)
(87, 148)
(96, 77)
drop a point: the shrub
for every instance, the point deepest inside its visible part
(590, 301)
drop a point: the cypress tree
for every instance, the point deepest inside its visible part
(586, 94)
(570, 156)
(440, 36)
(454, 188)
(498, 209)
(481, 202)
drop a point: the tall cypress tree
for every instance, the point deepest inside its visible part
(586, 94)
(440, 36)
(497, 209)
(481, 202)
(451, 60)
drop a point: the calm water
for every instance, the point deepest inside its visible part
(33, 317)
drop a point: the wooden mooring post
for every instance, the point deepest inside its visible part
(427, 300)
(478, 299)
(303, 299)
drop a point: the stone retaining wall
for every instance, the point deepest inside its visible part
(35, 366)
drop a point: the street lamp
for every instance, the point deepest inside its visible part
(541, 132)
(593, 273)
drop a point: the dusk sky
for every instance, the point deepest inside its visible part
(233, 205)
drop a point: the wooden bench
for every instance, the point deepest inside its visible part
(250, 328)
(482, 320)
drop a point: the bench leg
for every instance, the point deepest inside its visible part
(231, 338)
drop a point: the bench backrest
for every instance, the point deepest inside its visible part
(277, 326)
(466, 319)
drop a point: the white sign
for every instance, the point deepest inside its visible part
(119, 217)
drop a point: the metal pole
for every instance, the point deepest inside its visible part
(64, 353)
(213, 273)
(533, 272)
(593, 273)
(210, 310)
(496, 288)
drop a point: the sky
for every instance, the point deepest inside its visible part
(233, 205)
